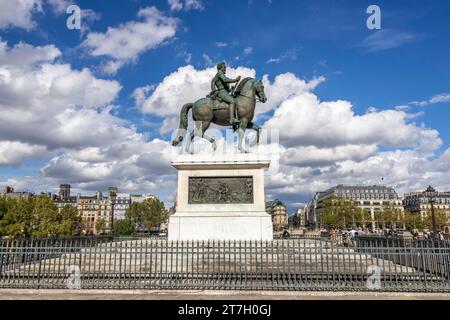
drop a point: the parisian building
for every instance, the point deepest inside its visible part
(122, 203)
(297, 219)
(419, 203)
(92, 208)
(277, 210)
(8, 192)
(310, 212)
(64, 198)
(370, 198)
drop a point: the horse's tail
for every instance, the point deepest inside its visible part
(183, 124)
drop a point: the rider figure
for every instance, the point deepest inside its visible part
(220, 83)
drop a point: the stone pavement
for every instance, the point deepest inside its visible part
(24, 294)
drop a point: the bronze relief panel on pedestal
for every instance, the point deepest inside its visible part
(218, 190)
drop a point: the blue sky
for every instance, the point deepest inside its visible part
(403, 68)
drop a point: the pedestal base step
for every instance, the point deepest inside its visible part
(232, 227)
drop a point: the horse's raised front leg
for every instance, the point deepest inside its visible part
(213, 142)
(241, 132)
(257, 128)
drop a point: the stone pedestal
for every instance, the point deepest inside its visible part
(220, 197)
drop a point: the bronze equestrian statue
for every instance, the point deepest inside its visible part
(219, 108)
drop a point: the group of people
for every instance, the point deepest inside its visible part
(350, 232)
(429, 235)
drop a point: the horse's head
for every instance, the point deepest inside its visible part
(259, 87)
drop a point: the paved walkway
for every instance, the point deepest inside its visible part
(15, 294)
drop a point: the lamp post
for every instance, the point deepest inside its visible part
(431, 193)
(112, 198)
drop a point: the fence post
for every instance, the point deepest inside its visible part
(2, 253)
(39, 269)
(424, 267)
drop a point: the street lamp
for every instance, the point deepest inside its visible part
(431, 194)
(112, 198)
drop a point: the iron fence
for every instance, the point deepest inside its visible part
(287, 264)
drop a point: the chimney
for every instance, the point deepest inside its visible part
(112, 191)
(64, 191)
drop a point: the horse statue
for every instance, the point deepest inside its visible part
(208, 110)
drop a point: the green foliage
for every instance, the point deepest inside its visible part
(45, 217)
(440, 217)
(416, 221)
(123, 228)
(389, 217)
(147, 214)
(337, 212)
(342, 213)
(3, 207)
(40, 217)
(100, 225)
(18, 219)
(413, 221)
(70, 224)
(36, 217)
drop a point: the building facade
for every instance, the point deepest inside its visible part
(8, 192)
(418, 203)
(371, 199)
(64, 198)
(310, 212)
(297, 219)
(277, 210)
(93, 208)
(121, 205)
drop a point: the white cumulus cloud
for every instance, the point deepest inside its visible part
(127, 41)
(49, 104)
(178, 5)
(15, 152)
(19, 13)
(305, 120)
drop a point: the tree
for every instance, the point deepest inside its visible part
(389, 217)
(46, 218)
(413, 221)
(123, 227)
(17, 221)
(70, 221)
(440, 217)
(3, 207)
(37, 217)
(100, 225)
(135, 214)
(362, 217)
(340, 213)
(155, 214)
(147, 214)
